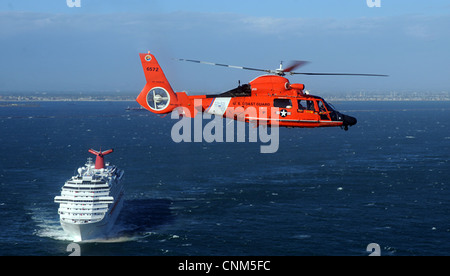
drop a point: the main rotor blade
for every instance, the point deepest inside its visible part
(287, 70)
(295, 64)
(338, 74)
(224, 65)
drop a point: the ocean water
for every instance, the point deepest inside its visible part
(324, 192)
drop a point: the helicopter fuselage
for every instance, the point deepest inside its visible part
(267, 100)
(272, 100)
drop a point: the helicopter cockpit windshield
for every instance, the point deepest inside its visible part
(334, 114)
(329, 106)
(326, 110)
(337, 116)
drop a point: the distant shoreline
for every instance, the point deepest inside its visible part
(10, 99)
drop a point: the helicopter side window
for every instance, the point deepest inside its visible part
(321, 106)
(301, 105)
(322, 111)
(310, 106)
(306, 106)
(282, 103)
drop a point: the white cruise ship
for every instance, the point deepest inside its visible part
(91, 201)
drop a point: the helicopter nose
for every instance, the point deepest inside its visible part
(348, 121)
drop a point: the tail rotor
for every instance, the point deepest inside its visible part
(158, 99)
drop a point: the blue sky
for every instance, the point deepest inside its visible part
(286, 8)
(47, 46)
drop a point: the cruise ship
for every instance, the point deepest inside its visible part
(91, 200)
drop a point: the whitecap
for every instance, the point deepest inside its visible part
(52, 231)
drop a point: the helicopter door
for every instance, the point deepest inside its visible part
(323, 112)
(306, 111)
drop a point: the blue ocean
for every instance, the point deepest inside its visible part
(324, 192)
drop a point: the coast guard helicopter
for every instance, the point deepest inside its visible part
(267, 100)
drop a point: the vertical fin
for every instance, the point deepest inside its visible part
(157, 96)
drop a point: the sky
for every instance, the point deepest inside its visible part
(47, 46)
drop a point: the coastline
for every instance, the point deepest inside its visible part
(9, 99)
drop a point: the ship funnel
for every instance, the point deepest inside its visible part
(99, 161)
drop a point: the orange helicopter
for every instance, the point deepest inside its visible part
(267, 100)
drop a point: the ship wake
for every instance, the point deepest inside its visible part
(138, 219)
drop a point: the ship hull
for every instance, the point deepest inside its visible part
(95, 230)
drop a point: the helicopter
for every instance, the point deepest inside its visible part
(269, 100)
